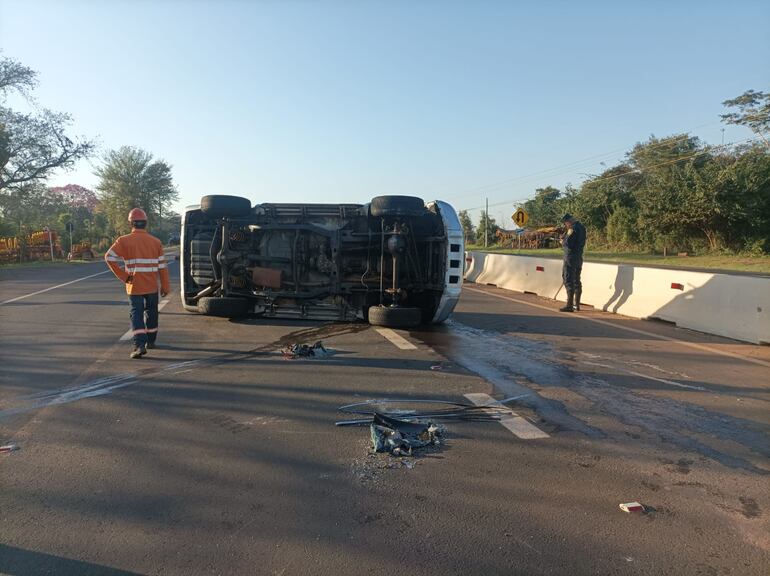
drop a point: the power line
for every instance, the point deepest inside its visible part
(634, 170)
(574, 164)
(678, 159)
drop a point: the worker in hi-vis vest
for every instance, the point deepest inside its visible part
(144, 269)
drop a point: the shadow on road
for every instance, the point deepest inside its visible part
(17, 562)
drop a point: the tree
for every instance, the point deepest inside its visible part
(129, 177)
(15, 76)
(30, 207)
(468, 229)
(486, 225)
(606, 204)
(544, 208)
(744, 198)
(753, 112)
(34, 144)
(77, 196)
(690, 193)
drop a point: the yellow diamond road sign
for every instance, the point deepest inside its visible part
(520, 217)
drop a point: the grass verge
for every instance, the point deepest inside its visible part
(716, 262)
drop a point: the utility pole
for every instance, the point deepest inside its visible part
(72, 217)
(486, 223)
(50, 241)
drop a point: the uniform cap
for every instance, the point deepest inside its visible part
(566, 217)
(137, 214)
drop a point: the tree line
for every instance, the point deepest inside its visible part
(675, 192)
(36, 142)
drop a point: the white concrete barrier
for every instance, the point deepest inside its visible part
(728, 305)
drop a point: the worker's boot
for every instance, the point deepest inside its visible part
(570, 299)
(578, 292)
(138, 352)
(150, 345)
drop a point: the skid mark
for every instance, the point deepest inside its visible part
(106, 385)
(97, 387)
(645, 376)
(510, 362)
(678, 422)
(502, 361)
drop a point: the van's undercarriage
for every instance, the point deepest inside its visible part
(387, 261)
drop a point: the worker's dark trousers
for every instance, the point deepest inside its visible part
(570, 273)
(144, 305)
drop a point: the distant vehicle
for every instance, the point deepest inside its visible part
(81, 251)
(395, 261)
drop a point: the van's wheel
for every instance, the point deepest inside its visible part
(220, 206)
(224, 307)
(395, 316)
(396, 206)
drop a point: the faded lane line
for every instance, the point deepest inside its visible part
(396, 339)
(640, 375)
(130, 333)
(518, 425)
(53, 288)
(578, 316)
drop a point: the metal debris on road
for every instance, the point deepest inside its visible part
(294, 351)
(9, 448)
(398, 427)
(400, 437)
(629, 507)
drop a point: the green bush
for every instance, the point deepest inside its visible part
(621, 228)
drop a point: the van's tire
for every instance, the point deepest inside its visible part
(220, 206)
(224, 307)
(395, 316)
(396, 206)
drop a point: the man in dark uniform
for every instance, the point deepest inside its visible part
(573, 243)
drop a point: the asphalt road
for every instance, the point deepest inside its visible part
(214, 455)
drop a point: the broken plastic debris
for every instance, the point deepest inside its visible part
(632, 507)
(9, 447)
(400, 437)
(437, 367)
(294, 351)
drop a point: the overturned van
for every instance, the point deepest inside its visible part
(395, 261)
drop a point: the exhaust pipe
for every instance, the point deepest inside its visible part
(207, 291)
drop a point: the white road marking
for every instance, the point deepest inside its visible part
(53, 288)
(640, 375)
(518, 425)
(580, 316)
(130, 333)
(396, 339)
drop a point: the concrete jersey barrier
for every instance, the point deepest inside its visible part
(727, 305)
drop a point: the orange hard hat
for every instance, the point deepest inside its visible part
(136, 214)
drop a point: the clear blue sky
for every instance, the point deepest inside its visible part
(341, 101)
